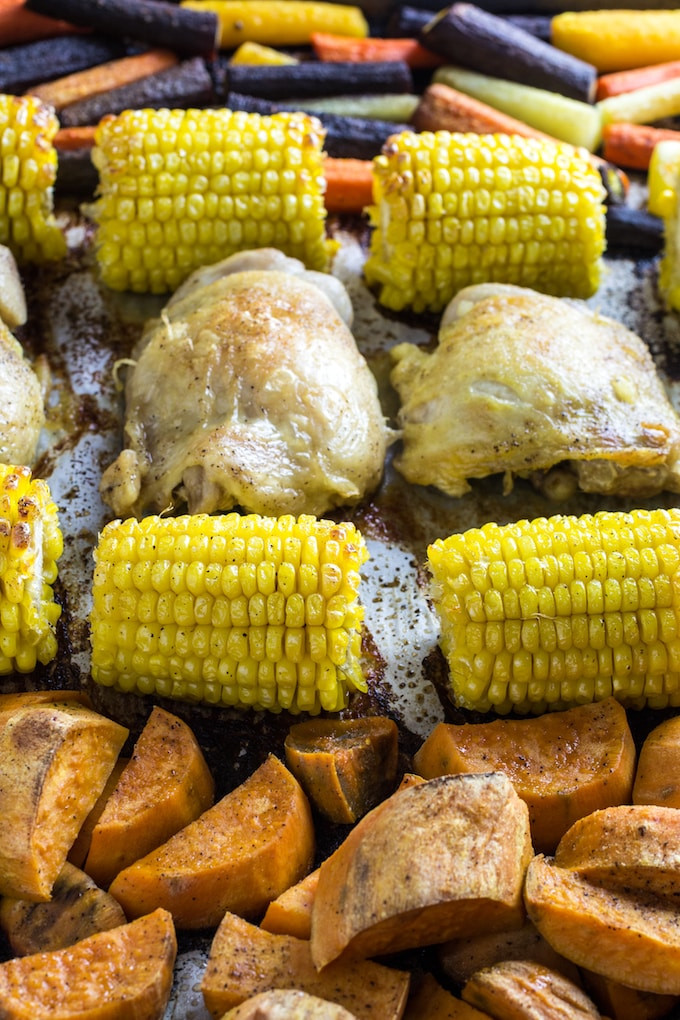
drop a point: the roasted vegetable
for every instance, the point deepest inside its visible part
(519, 988)
(619, 39)
(288, 1004)
(279, 22)
(560, 611)
(658, 766)
(32, 63)
(455, 209)
(180, 189)
(31, 544)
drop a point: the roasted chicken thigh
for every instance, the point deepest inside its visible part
(521, 382)
(250, 391)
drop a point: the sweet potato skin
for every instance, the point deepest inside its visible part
(657, 777)
(237, 856)
(562, 764)
(436, 860)
(628, 936)
(245, 960)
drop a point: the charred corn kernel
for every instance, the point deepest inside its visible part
(30, 546)
(28, 170)
(231, 610)
(450, 210)
(280, 22)
(180, 189)
(555, 612)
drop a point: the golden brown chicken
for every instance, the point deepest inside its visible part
(250, 391)
(521, 382)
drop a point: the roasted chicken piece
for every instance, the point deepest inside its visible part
(250, 391)
(522, 383)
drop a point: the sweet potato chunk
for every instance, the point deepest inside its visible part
(54, 762)
(237, 856)
(632, 845)
(619, 1002)
(291, 912)
(245, 960)
(459, 959)
(629, 936)
(526, 990)
(77, 855)
(125, 973)
(78, 908)
(563, 764)
(288, 1004)
(166, 785)
(430, 1000)
(436, 860)
(657, 777)
(345, 766)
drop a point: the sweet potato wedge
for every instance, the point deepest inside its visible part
(632, 845)
(166, 785)
(237, 856)
(54, 762)
(78, 908)
(12, 700)
(78, 852)
(288, 1004)
(440, 859)
(122, 974)
(245, 960)
(345, 766)
(619, 1002)
(657, 777)
(628, 936)
(563, 764)
(521, 989)
(429, 999)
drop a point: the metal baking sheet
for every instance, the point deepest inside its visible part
(81, 330)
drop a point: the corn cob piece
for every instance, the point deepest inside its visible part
(450, 210)
(562, 611)
(30, 546)
(28, 170)
(664, 188)
(180, 189)
(247, 611)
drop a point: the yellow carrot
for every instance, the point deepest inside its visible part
(280, 22)
(618, 40)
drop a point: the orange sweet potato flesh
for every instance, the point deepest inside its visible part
(563, 764)
(288, 1004)
(437, 860)
(345, 766)
(657, 777)
(632, 845)
(429, 999)
(54, 762)
(122, 974)
(78, 852)
(245, 960)
(628, 936)
(518, 989)
(237, 856)
(619, 1002)
(166, 785)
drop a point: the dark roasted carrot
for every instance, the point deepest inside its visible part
(19, 25)
(103, 77)
(636, 78)
(330, 47)
(349, 184)
(69, 138)
(631, 145)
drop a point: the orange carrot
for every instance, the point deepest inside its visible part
(19, 25)
(636, 78)
(102, 78)
(631, 145)
(69, 138)
(442, 108)
(342, 47)
(349, 184)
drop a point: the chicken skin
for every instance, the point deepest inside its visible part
(521, 382)
(249, 391)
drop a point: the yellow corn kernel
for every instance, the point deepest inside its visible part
(180, 189)
(257, 641)
(511, 210)
(591, 644)
(30, 546)
(28, 170)
(664, 186)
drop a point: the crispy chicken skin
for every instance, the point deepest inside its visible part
(521, 382)
(22, 413)
(249, 391)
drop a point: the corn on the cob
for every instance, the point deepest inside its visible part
(561, 611)
(180, 189)
(230, 610)
(455, 209)
(664, 189)
(28, 170)
(30, 546)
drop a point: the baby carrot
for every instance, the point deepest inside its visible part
(67, 139)
(103, 77)
(636, 78)
(349, 184)
(328, 46)
(19, 25)
(620, 39)
(632, 145)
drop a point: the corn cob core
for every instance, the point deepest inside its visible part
(230, 610)
(30, 545)
(453, 209)
(561, 611)
(181, 189)
(28, 170)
